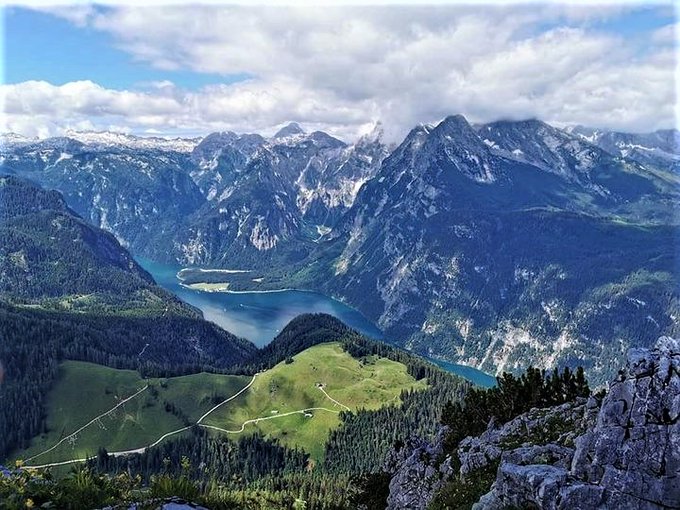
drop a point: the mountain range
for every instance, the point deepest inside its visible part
(493, 245)
(511, 244)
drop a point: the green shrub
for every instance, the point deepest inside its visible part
(461, 493)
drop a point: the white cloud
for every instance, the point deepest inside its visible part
(339, 68)
(78, 14)
(668, 34)
(38, 108)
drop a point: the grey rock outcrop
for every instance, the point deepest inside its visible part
(629, 459)
(559, 424)
(418, 473)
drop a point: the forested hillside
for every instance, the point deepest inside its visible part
(250, 465)
(68, 290)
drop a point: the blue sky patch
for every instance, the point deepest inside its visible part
(40, 46)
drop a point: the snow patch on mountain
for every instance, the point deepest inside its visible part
(8, 140)
(113, 139)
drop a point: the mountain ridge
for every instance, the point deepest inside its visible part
(391, 229)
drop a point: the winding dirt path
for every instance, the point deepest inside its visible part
(273, 417)
(136, 450)
(229, 399)
(332, 399)
(88, 423)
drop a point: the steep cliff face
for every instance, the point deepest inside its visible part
(504, 246)
(619, 453)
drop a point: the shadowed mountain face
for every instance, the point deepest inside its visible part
(511, 244)
(56, 266)
(48, 251)
(496, 245)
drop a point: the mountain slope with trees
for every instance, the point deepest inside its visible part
(68, 290)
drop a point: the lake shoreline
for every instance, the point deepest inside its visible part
(227, 291)
(259, 315)
(258, 280)
(256, 315)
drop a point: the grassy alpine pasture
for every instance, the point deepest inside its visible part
(85, 391)
(288, 387)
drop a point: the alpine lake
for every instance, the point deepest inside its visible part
(261, 315)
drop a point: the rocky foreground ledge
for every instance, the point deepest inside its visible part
(622, 452)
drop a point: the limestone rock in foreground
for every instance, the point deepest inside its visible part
(630, 459)
(417, 473)
(420, 469)
(560, 424)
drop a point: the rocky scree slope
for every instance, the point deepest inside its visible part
(622, 452)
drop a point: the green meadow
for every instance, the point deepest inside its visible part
(84, 410)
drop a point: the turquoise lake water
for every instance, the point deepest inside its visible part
(472, 374)
(257, 316)
(260, 316)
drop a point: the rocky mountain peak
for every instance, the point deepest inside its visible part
(62, 143)
(454, 143)
(291, 129)
(456, 121)
(417, 136)
(660, 148)
(375, 135)
(215, 141)
(325, 141)
(544, 146)
(9, 139)
(457, 130)
(112, 139)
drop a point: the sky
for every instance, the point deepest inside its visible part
(187, 70)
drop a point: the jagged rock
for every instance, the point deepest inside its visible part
(629, 459)
(543, 481)
(561, 424)
(417, 473)
(555, 455)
